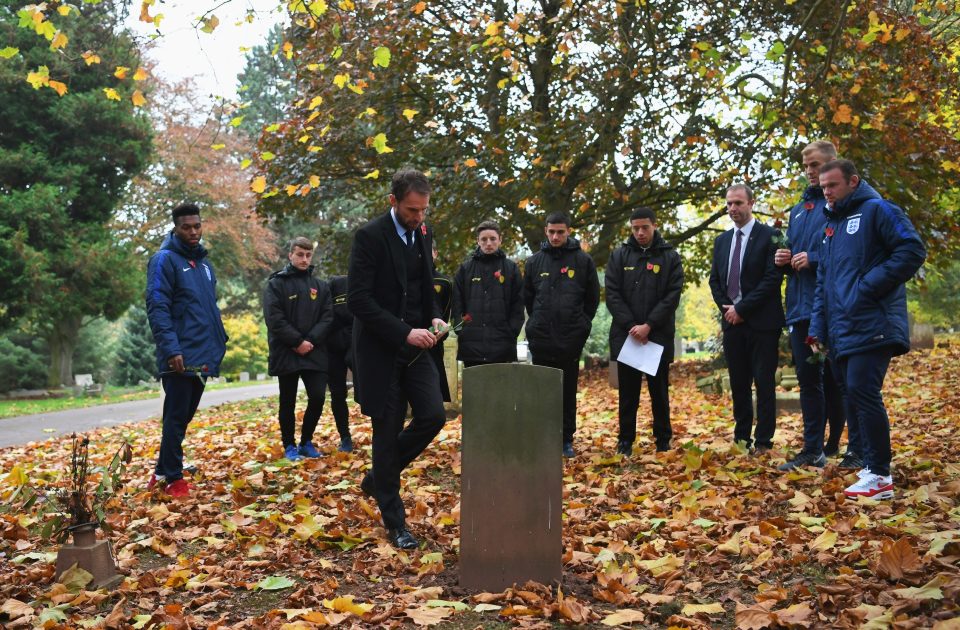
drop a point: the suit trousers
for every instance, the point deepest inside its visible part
(182, 394)
(752, 360)
(571, 374)
(337, 383)
(395, 446)
(630, 381)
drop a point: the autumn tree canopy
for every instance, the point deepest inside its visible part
(68, 148)
(598, 108)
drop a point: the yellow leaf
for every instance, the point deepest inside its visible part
(660, 566)
(217, 147)
(706, 609)
(379, 142)
(145, 11)
(470, 162)
(258, 184)
(140, 74)
(245, 163)
(121, 72)
(317, 7)
(64, 10)
(419, 7)
(824, 541)
(346, 604)
(315, 102)
(843, 115)
(346, 5)
(291, 190)
(138, 99)
(523, 203)
(288, 50)
(409, 114)
(374, 174)
(492, 29)
(315, 181)
(59, 87)
(17, 477)
(341, 80)
(732, 546)
(209, 24)
(111, 94)
(39, 78)
(90, 57)
(623, 617)
(59, 41)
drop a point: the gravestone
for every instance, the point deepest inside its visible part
(452, 368)
(511, 476)
(244, 377)
(83, 380)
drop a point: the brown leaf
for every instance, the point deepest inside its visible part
(426, 616)
(754, 617)
(897, 559)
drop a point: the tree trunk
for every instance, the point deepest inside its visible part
(62, 340)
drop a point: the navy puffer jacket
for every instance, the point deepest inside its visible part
(805, 232)
(869, 250)
(182, 308)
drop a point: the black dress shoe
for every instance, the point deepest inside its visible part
(367, 485)
(401, 538)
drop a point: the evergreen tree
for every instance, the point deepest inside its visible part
(266, 84)
(135, 356)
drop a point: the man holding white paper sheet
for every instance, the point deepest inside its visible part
(643, 282)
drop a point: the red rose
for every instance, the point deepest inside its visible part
(466, 319)
(649, 266)
(423, 229)
(809, 340)
(778, 224)
(496, 274)
(828, 232)
(808, 206)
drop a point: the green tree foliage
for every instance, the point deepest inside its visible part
(64, 162)
(697, 318)
(23, 361)
(135, 360)
(936, 300)
(267, 85)
(247, 350)
(596, 108)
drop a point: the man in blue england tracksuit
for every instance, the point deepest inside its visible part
(191, 341)
(869, 251)
(799, 257)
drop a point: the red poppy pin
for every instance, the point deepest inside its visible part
(313, 293)
(649, 266)
(423, 229)
(808, 205)
(498, 276)
(563, 270)
(828, 232)
(193, 264)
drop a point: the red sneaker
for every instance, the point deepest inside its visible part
(154, 480)
(178, 489)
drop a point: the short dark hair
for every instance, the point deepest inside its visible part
(559, 217)
(744, 188)
(407, 179)
(644, 212)
(488, 224)
(184, 210)
(302, 242)
(846, 167)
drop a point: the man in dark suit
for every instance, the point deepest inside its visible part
(390, 293)
(746, 288)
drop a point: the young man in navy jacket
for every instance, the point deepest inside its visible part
(870, 249)
(799, 257)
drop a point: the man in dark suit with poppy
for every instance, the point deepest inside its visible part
(746, 288)
(390, 293)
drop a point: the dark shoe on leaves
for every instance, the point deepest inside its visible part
(367, 485)
(623, 448)
(568, 449)
(851, 461)
(401, 538)
(346, 445)
(190, 468)
(831, 450)
(804, 459)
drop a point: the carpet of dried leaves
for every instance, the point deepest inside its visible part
(702, 536)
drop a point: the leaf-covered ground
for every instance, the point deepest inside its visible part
(702, 536)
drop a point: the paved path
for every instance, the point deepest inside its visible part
(23, 429)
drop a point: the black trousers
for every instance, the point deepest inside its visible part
(752, 360)
(337, 382)
(316, 385)
(630, 381)
(182, 394)
(395, 446)
(820, 399)
(571, 374)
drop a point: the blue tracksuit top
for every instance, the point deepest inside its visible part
(182, 307)
(869, 250)
(805, 233)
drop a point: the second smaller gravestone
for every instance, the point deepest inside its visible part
(511, 476)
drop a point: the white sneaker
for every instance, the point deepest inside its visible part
(871, 486)
(863, 472)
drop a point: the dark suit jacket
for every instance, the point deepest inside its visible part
(760, 279)
(377, 297)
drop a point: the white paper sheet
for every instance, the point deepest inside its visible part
(641, 356)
